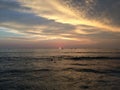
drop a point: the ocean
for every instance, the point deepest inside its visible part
(59, 69)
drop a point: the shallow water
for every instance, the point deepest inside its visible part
(66, 69)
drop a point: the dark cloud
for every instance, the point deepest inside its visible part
(12, 12)
(106, 11)
(8, 15)
(11, 5)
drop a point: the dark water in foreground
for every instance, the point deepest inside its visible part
(66, 69)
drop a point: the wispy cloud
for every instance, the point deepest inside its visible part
(73, 20)
(74, 12)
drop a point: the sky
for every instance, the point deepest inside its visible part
(60, 23)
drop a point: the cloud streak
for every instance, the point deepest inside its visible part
(72, 20)
(77, 12)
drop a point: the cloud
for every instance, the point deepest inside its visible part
(15, 20)
(28, 24)
(81, 21)
(76, 12)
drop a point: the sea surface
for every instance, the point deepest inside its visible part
(59, 69)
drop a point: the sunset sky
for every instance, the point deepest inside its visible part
(60, 23)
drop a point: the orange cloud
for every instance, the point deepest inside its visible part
(54, 10)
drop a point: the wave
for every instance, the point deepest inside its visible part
(108, 72)
(51, 58)
(95, 52)
(23, 71)
(92, 58)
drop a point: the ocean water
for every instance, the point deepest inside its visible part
(59, 69)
